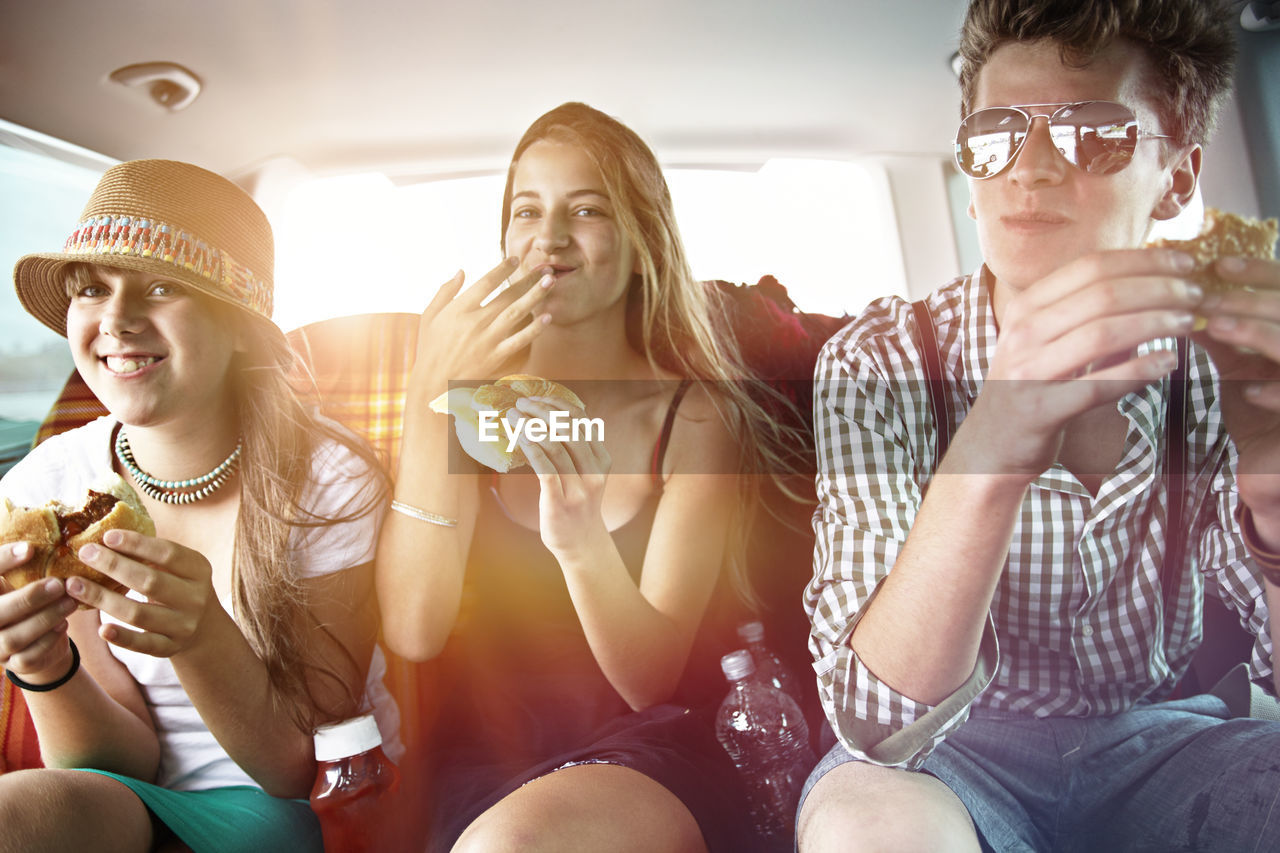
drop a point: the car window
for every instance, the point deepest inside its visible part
(358, 243)
(44, 183)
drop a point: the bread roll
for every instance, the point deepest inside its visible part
(1225, 235)
(36, 525)
(466, 404)
(58, 532)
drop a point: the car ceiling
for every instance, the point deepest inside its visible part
(422, 88)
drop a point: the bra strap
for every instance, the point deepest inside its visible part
(660, 449)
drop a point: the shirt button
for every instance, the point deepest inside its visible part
(1087, 630)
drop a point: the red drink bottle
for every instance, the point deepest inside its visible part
(354, 784)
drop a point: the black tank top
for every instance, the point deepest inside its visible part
(519, 682)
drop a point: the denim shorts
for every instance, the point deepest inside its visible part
(1160, 777)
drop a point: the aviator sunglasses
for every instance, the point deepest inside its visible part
(1098, 137)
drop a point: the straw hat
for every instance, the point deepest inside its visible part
(172, 219)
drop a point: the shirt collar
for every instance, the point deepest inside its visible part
(978, 319)
(1144, 408)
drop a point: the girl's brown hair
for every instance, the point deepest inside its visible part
(1188, 42)
(280, 436)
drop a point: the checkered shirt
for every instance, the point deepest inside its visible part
(1076, 627)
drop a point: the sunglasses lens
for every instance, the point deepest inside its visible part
(1098, 136)
(988, 139)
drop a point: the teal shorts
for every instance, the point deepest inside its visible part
(239, 819)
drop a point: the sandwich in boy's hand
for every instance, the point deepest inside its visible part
(57, 532)
(467, 405)
(1225, 235)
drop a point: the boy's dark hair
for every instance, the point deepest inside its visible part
(1189, 42)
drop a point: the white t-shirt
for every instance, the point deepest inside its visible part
(65, 466)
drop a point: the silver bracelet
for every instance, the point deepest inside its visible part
(423, 515)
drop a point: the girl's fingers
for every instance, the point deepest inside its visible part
(514, 315)
(119, 568)
(480, 289)
(30, 598)
(444, 295)
(143, 615)
(95, 595)
(515, 303)
(522, 337)
(581, 456)
(603, 461)
(555, 453)
(12, 556)
(143, 642)
(548, 477)
(576, 451)
(543, 407)
(34, 654)
(169, 557)
(21, 635)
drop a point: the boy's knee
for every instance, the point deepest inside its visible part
(864, 807)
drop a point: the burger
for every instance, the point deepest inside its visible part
(1224, 235)
(494, 401)
(57, 532)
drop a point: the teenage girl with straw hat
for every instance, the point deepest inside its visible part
(250, 617)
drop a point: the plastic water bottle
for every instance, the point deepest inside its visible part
(769, 667)
(354, 783)
(767, 737)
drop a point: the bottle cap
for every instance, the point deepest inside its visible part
(737, 665)
(349, 737)
(751, 632)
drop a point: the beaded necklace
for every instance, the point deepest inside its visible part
(177, 491)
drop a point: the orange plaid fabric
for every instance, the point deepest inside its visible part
(19, 748)
(75, 406)
(360, 365)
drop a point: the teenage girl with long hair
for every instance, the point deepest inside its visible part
(564, 604)
(250, 616)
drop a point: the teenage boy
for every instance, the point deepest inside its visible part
(994, 653)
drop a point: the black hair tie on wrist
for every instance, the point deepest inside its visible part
(53, 685)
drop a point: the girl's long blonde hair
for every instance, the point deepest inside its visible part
(669, 311)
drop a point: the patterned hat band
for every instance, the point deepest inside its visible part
(109, 234)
